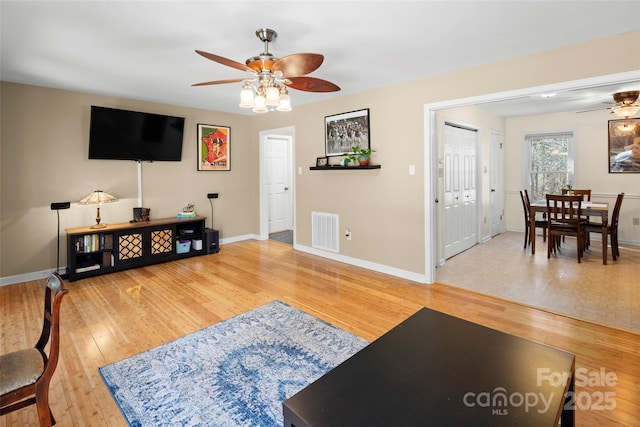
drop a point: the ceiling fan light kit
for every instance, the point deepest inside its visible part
(626, 111)
(273, 76)
(627, 106)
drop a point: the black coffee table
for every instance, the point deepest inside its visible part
(436, 369)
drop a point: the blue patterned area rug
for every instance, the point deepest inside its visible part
(233, 373)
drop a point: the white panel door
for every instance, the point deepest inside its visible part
(452, 202)
(460, 147)
(278, 194)
(468, 140)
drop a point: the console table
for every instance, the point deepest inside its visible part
(436, 369)
(115, 247)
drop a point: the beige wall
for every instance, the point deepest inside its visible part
(44, 146)
(44, 149)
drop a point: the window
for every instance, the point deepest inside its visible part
(550, 161)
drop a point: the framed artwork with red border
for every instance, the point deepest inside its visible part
(214, 144)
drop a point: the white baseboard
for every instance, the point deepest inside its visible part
(380, 268)
(27, 277)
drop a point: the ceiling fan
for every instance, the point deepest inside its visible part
(272, 76)
(625, 104)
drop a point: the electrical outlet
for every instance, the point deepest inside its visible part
(636, 221)
(212, 196)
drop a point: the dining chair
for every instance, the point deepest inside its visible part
(25, 374)
(540, 223)
(612, 228)
(565, 219)
(585, 193)
(586, 196)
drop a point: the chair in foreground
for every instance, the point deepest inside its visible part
(612, 228)
(540, 223)
(564, 216)
(25, 374)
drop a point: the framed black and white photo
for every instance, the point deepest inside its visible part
(624, 146)
(344, 131)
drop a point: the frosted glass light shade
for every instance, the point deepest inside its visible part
(285, 103)
(259, 104)
(246, 97)
(272, 96)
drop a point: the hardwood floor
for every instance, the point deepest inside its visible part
(111, 317)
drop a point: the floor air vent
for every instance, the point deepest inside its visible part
(325, 229)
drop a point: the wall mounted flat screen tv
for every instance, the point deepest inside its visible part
(130, 135)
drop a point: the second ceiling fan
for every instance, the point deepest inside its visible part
(625, 104)
(272, 76)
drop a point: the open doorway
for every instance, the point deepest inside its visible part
(276, 185)
(433, 232)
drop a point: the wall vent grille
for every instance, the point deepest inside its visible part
(325, 231)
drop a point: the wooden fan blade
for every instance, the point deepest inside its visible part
(298, 64)
(224, 61)
(312, 84)
(595, 109)
(218, 82)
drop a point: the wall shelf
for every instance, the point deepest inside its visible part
(340, 167)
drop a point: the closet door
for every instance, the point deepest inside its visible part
(460, 147)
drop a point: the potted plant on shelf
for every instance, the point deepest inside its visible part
(359, 156)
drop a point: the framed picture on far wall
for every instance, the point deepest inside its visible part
(624, 146)
(214, 152)
(344, 131)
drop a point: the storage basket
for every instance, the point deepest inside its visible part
(183, 246)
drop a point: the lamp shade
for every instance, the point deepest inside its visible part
(98, 197)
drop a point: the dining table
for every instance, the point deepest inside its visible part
(587, 208)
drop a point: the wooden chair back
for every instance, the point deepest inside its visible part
(564, 219)
(564, 209)
(616, 211)
(525, 207)
(586, 194)
(21, 389)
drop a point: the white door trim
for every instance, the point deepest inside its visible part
(496, 183)
(264, 202)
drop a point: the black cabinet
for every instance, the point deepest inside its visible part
(212, 241)
(115, 247)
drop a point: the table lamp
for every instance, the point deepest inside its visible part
(98, 197)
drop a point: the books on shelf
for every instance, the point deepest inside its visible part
(94, 242)
(183, 214)
(88, 268)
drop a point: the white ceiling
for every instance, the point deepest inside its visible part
(145, 50)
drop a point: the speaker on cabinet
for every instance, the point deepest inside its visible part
(212, 240)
